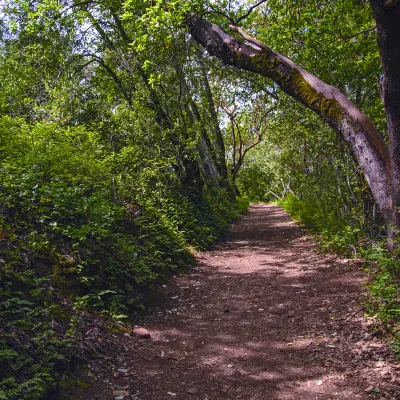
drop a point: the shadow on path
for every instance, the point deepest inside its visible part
(262, 316)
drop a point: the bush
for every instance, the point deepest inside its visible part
(383, 301)
(81, 226)
(335, 232)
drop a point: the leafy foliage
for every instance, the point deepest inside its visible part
(384, 288)
(117, 158)
(82, 227)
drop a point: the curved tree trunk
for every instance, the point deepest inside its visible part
(327, 101)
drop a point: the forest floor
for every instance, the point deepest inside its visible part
(262, 316)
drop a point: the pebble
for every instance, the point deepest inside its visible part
(369, 389)
(142, 333)
(120, 393)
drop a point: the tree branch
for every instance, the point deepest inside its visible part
(327, 101)
(114, 76)
(215, 11)
(249, 11)
(249, 38)
(360, 33)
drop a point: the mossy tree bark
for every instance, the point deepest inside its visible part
(327, 101)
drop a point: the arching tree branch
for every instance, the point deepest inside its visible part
(327, 101)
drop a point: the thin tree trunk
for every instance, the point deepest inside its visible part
(206, 151)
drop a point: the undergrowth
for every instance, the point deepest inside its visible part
(336, 235)
(82, 227)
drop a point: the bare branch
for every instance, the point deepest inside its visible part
(249, 11)
(360, 33)
(221, 13)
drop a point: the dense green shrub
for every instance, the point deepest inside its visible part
(384, 289)
(336, 233)
(82, 226)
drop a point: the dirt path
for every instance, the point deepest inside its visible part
(262, 316)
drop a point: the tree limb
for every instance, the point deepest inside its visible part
(249, 11)
(327, 101)
(249, 38)
(360, 33)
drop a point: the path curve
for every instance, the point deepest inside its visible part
(263, 316)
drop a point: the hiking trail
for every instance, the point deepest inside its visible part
(262, 316)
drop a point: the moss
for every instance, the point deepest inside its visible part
(292, 80)
(269, 67)
(315, 100)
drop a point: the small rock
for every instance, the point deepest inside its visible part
(193, 390)
(369, 389)
(142, 333)
(120, 393)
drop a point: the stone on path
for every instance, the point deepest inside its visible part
(142, 333)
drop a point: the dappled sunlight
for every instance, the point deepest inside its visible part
(261, 316)
(268, 308)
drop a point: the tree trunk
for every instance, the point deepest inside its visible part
(208, 160)
(219, 140)
(327, 101)
(387, 17)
